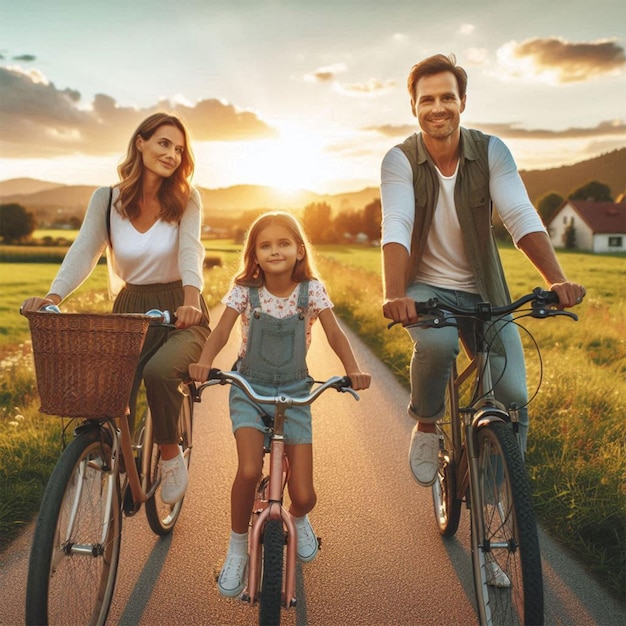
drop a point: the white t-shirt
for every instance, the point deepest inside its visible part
(445, 263)
(238, 298)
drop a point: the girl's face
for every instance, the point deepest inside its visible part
(162, 153)
(276, 251)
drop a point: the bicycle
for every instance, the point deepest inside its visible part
(85, 366)
(271, 525)
(481, 464)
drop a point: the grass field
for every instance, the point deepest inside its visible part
(577, 443)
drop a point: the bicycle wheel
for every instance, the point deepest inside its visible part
(76, 545)
(161, 516)
(272, 581)
(445, 501)
(506, 559)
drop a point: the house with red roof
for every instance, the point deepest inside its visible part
(590, 225)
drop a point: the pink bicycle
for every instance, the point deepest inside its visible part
(271, 525)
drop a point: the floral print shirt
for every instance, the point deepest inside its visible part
(238, 298)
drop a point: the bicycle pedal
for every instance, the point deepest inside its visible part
(129, 506)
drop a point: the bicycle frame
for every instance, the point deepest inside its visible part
(273, 509)
(481, 464)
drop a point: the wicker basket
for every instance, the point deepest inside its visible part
(85, 363)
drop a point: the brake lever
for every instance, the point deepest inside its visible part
(540, 312)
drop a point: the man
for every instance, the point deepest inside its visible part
(437, 190)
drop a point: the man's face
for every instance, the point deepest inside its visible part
(438, 106)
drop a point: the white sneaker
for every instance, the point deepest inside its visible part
(495, 576)
(308, 545)
(423, 456)
(174, 479)
(232, 579)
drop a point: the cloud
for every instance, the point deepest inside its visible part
(389, 130)
(372, 87)
(467, 29)
(25, 57)
(39, 120)
(515, 131)
(612, 128)
(476, 56)
(326, 73)
(555, 60)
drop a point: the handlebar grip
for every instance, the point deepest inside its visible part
(167, 317)
(552, 297)
(214, 374)
(423, 307)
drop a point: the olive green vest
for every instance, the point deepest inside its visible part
(473, 207)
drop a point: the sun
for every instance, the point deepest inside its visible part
(289, 163)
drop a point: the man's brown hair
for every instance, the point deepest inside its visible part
(435, 65)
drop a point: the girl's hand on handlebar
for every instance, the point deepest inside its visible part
(187, 316)
(199, 372)
(360, 380)
(400, 310)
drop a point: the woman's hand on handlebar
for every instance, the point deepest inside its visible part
(187, 316)
(35, 303)
(360, 380)
(400, 310)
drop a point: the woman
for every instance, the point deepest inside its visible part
(149, 223)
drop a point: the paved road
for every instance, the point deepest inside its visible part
(382, 560)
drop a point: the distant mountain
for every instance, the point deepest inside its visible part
(50, 201)
(21, 186)
(609, 168)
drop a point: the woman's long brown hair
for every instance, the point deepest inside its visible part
(174, 191)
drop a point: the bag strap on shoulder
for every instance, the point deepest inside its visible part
(109, 216)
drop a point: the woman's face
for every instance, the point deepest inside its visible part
(162, 153)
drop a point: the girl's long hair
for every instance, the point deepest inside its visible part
(174, 191)
(250, 274)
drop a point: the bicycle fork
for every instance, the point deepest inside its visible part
(274, 510)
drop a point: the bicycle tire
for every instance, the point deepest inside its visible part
(270, 601)
(162, 517)
(510, 533)
(65, 585)
(446, 504)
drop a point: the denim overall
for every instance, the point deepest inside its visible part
(275, 361)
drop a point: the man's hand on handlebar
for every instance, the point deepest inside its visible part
(400, 310)
(570, 294)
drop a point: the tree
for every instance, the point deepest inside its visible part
(372, 220)
(569, 237)
(593, 190)
(548, 204)
(317, 222)
(16, 223)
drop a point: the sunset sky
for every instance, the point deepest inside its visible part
(299, 94)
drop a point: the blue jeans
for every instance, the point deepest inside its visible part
(435, 349)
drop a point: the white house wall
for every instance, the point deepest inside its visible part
(601, 244)
(566, 216)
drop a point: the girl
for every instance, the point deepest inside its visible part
(150, 224)
(279, 298)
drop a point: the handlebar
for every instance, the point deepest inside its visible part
(342, 384)
(158, 317)
(540, 300)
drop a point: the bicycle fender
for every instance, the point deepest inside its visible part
(489, 414)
